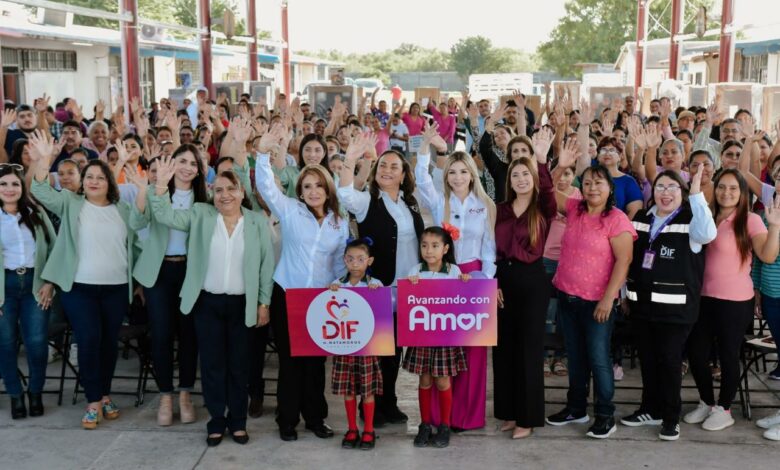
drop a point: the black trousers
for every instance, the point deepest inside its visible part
(301, 388)
(661, 347)
(223, 342)
(518, 378)
(726, 322)
(258, 340)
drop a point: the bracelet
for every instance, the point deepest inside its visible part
(161, 187)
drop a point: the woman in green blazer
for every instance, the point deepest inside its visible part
(92, 263)
(160, 270)
(228, 288)
(26, 237)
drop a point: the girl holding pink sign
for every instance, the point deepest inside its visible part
(435, 364)
(462, 198)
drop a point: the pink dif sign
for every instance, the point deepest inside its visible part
(448, 312)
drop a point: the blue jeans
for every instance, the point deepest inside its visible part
(770, 309)
(587, 347)
(551, 322)
(96, 313)
(20, 308)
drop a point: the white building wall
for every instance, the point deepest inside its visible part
(773, 70)
(91, 63)
(164, 76)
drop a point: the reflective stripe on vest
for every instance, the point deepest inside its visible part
(675, 299)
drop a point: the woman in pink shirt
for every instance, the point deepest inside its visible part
(413, 120)
(596, 252)
(447, 123)
(727, 296)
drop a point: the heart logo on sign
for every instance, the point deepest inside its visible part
(465, 322)
(333, 306)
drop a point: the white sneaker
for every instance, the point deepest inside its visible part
(54, 355)
(617, 372)
(698, 415)
(718, 419)
(73, 356)
(769, 421)
(773, 433)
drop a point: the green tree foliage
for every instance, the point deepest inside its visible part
(595, 30)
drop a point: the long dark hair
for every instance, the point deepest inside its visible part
(199, 183)
(449, 256)
(113, 190)
(741, 214)
(26, 207)
(602, 172)
(306, 139)
(16, 152)
(536, 221)
(407, 185)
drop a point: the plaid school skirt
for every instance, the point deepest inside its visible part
(437, 361)
(356, 375)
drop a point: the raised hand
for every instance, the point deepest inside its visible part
(772, 212)
(165, 171)
(696, 183)
(139, 181)
(606, 126)
(271, 138)
(429, 131)
(542, 141)
(41, 147)
(121, 152)
(42, 103)
(653, 136)
(100, 107)
(713, 113)
(358, 145)
(586, 112)
(567, 155)
(519, 100)
(638, 133)
(8, 117)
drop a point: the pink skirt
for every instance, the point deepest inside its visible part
(469, 388)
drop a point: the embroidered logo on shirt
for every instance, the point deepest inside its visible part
(475, 210)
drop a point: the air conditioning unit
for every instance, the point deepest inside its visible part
(273, 50)
(152, 33)
(51, 17)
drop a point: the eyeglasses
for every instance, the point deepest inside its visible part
(607, 150)
(732, 155)
(352, 259)
(672, 188)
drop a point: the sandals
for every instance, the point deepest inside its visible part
(546, 368)
(91, 418)
(110, 410)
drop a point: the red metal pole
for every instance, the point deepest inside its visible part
(252, 46)
(131, 77)
(2, 79)
(204, 18)
(678, 7)
(641, 27)
(725, 72)
(285, 50)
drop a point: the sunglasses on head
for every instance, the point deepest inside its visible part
(13, 166)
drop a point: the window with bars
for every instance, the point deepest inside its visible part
(754, 68)
(48, 60)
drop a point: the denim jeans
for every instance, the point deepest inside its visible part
(551, 322)
(21, 309)
(770, 308)
(96, 313)
(587, 347)
(166, 322)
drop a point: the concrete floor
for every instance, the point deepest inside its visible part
(134, 441)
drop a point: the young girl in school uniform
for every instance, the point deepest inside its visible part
(357, 375)
(435, 364)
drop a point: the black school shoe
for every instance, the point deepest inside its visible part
(423, 437)
(368, 444)
(288, 434)
(214, 441)
(567, 416)
(442, 437)
(603, 427)
(322, 430)
(351, 439)
(670, 431)
(241, 438)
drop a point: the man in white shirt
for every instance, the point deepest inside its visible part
(399, 134)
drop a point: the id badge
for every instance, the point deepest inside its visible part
(649, 259)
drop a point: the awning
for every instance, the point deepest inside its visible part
(750, 49)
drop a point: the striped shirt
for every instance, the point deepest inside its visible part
(766, 277)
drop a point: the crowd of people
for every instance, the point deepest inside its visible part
(206, 212)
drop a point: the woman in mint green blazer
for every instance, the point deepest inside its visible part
(227, 288)
(160, 269)
(92, 263)
(26, 237)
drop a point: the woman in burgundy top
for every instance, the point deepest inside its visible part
(522, 223)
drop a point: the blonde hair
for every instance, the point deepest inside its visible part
(475, 186)
(332, 202)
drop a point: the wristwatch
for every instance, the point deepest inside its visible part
(265, 305)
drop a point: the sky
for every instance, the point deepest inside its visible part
(377, 25)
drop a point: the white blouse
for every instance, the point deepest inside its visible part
(422, 271)
(311, 251)
(225, 272)
(477, 237)
(18, 242)
(102, 246)
(407, 249)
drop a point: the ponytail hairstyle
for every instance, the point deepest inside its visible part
(537, 224)
(475, 186)
(449, 256)
(364, 243)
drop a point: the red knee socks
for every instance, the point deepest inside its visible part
(445, 406)
(424, 397)
(368, 416)
(351, 407)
